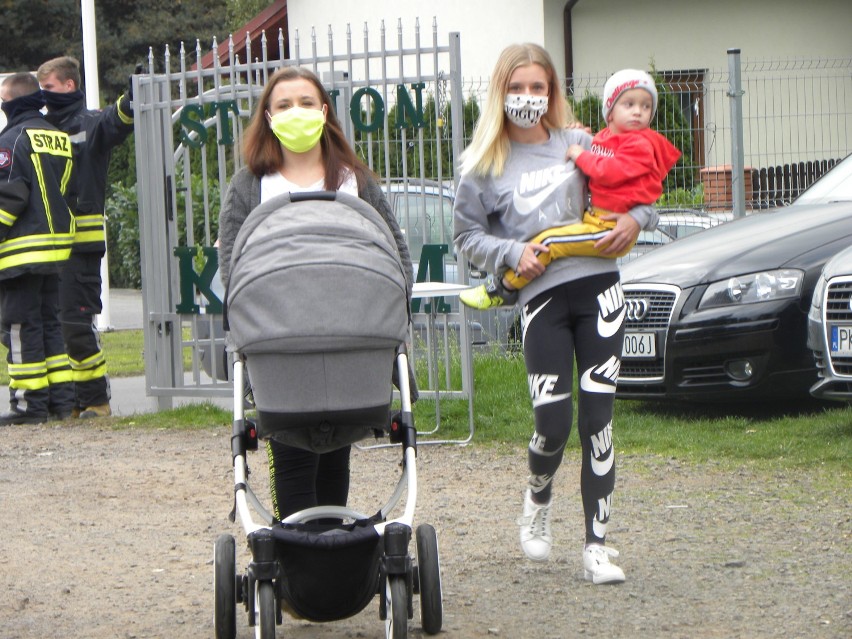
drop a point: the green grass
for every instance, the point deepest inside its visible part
(804, 435)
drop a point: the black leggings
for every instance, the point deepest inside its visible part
(582, 319)
(301, 479)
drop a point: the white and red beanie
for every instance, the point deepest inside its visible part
(624, 80)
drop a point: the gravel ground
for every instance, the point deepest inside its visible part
(109, 534)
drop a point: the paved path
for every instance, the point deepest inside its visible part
(129, 393)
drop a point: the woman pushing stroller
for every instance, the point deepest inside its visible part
(294, 144)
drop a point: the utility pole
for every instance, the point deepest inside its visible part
(93, 101)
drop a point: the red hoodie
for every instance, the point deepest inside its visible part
(627, 169)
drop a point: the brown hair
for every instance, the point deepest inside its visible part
(20, 84)
(262, 150)
(65, 68)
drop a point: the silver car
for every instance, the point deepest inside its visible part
(830, 329)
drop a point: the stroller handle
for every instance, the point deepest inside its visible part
(329, 196)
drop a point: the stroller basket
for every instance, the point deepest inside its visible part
(328, 576)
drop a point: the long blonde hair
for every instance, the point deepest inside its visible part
(489, 146)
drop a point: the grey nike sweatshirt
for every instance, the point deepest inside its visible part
(494, 216)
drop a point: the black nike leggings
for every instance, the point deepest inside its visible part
(582, 319)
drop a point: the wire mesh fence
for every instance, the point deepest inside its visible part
(409, 111)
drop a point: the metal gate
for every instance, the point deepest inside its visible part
(401, 106)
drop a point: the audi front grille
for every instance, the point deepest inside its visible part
(649, 309)
(838, 297)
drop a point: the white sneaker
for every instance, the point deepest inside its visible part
(536, 539)
(598, 570)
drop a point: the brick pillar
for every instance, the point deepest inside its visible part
(718, 195)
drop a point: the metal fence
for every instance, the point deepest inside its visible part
(794, 113)
(753, 135)
(389, 91)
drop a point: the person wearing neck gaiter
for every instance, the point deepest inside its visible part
(36, 229)
(94, 133)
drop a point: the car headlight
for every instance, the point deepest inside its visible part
(815, 311)
(753, 287)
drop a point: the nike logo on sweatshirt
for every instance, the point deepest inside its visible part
(542, 183)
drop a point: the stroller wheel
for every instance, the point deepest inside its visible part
(224, 587)
(396, 624)
(265, 611)
(429, 574)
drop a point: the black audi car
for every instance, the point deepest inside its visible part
(721, 315)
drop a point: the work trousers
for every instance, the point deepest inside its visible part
(39, 370)
(80, 301)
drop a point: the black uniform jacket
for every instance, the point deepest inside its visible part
(36, 173)
(94, 134)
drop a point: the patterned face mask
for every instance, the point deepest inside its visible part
(525, 110)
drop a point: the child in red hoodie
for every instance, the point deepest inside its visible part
(626, 167)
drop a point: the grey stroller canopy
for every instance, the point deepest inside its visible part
(317, 305)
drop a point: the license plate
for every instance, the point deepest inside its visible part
(638, 345)
(841, 340)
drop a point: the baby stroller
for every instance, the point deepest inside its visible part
(317, 311)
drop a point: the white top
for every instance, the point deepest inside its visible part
(276, 184)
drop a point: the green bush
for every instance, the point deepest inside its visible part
(123, 237)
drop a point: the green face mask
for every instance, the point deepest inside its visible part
(298, 129)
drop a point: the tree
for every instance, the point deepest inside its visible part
(125, 31)
(241, 11)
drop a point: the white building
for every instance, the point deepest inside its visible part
(599, 36)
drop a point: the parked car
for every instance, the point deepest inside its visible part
(682, 222)
(830, 329)
(722, 314)
(424, 210)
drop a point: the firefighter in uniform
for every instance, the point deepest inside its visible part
(94, 133)
(36, 231)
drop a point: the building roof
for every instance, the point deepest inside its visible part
(272, 19)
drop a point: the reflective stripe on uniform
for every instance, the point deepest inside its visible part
(60, 377)
(89, 236)
(7, 218)
(33, 242)
(90, 228)
(32, 383)
(88, 375)
(28, 368)
(66, 176)
(93, 367)
(28, 376)
(42, 256)
(45, 200)
(59, 369)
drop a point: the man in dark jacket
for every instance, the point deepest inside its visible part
(36, 231)
(94, 133)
